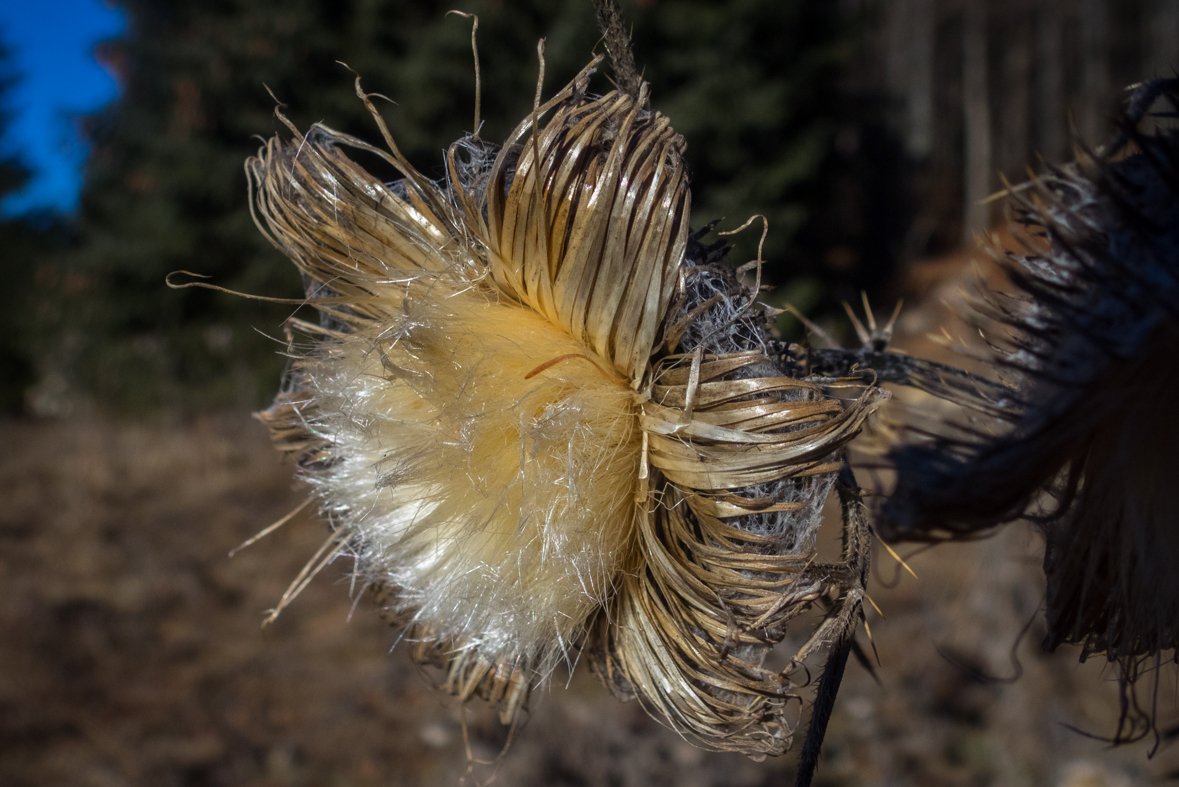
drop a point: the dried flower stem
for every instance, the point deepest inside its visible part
(618, 45)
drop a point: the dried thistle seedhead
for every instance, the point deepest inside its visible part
(542, 418)
(1085, 447)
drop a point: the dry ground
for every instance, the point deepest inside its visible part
(131, 651)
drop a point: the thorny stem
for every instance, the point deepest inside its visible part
(833, 671)
(618, 45)
(857, 557)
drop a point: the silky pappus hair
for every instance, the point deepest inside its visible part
(545, 419)
(1083, 444)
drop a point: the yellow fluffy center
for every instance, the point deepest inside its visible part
(492, 470)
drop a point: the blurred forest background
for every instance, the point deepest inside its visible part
(867, 131)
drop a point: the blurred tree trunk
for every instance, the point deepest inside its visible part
(897, 76)
(1049, 82)
(1094, 58)
(977, 118)
(1161, 20)
(1016, 96)
(920, 90)
(909, 70)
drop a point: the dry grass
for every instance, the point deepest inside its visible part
(130, 651)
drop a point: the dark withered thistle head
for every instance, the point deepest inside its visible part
(1087, 447)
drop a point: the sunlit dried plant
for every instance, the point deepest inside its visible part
(1085, 445)
(545, 419)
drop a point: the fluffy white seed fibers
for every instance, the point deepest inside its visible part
(494, 491)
